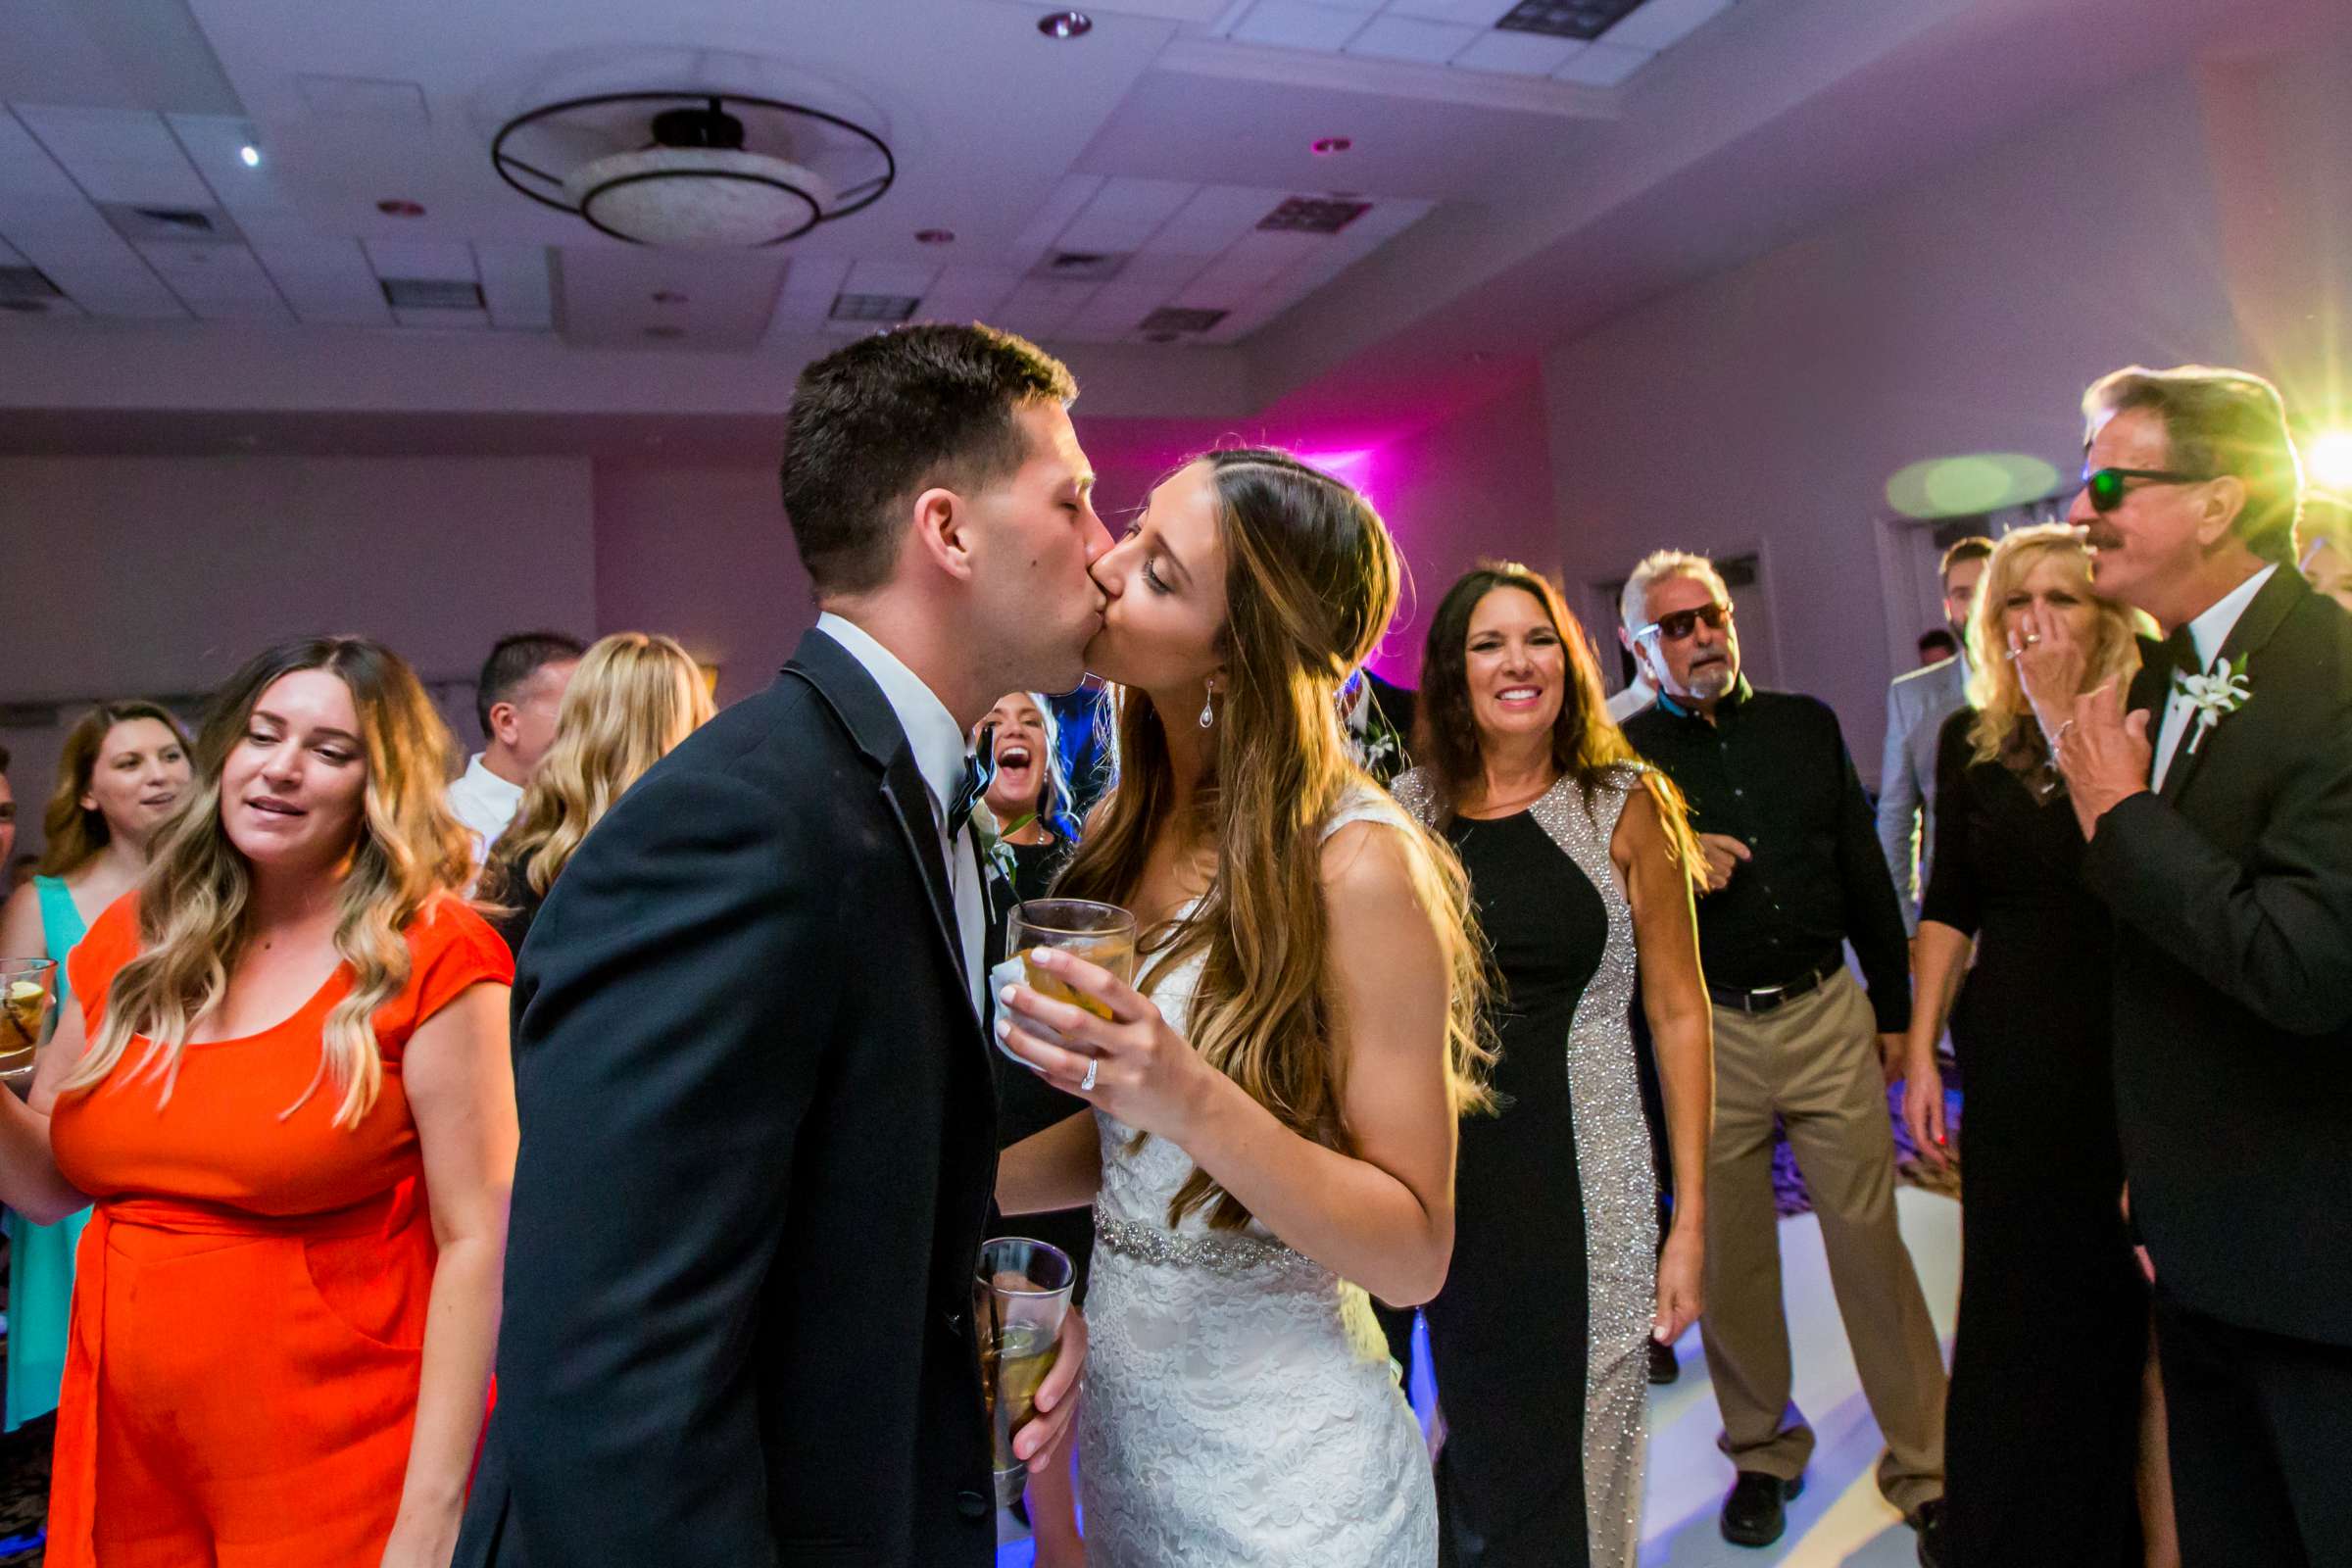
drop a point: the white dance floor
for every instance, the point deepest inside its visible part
(1841, 1521)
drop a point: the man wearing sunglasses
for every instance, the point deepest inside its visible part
(1795, 872)
(2219, 815)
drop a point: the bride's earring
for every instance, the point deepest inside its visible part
(1209, 713)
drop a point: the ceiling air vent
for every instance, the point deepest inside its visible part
(26, 286)
(1174, 320)
(432, 294)
(148, 225)
(873, 307)
(1314, 215)
(1079, 267)
(1567, 18)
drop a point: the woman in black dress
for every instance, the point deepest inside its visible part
(1035, 836)
(1579, 862)
(2041, 1430)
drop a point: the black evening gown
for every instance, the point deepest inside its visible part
(2042, 1432)
(1025, 1103)
(1507, 1335)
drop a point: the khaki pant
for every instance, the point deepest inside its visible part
(1814, 1061)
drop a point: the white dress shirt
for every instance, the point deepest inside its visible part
(939, 751)
(484, 802)
(1631, 701)
(2208, 631)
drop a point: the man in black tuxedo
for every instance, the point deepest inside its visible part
(759, 1144)
(2219, 814)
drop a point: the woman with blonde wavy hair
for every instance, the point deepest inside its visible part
(2053, 1326)
(633, 699)
(286, 1093)
(1275, 1100)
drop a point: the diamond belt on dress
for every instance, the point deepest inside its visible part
(1218, 1254)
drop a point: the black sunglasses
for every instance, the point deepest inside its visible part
(2106, 485)
(1682, 622)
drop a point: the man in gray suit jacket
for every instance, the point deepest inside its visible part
(1917, 706)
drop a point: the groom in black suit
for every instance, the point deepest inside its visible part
(2219, 814)
(758, 1120)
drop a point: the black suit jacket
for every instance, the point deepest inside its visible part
(2232, 895)
(757, 1154)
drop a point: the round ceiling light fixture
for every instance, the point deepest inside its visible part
(1325, 146)
(394, 207)
(935, 236)
(720, 171)
(1065, 23)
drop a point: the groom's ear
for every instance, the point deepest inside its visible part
(943, 531)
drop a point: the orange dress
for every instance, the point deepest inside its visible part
(248, 1323)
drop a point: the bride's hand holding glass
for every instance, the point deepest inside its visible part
(1131, 1064)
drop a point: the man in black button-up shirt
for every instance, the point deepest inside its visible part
(1794, 874)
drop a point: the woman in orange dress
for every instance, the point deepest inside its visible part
(287, 1093)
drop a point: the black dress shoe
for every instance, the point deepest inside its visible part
(1663, 1367)
(1927, 1520)
(1755, 1513)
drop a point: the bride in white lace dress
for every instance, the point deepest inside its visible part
(1275, 1104)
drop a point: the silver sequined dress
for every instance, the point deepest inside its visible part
(1574, 1134)
(1240, 1407)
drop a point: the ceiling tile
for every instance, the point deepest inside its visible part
(1070, 197)
(451, 260)
(891, 278)
(363, 98)
(1214, 218)
(1658, 24)
(1296, 24)
(1601, 65)
(515, 285)
(327, 281)
(1152, 199)
(215, 144)
(117, 155)
(1412, 38)
(217, 282)
(1476, 12)
(1522, 54)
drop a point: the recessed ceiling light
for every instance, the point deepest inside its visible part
(935, 236)
(1325, 146)
(394, 207)
(668, 296)
(1065, 23)
(251, 154)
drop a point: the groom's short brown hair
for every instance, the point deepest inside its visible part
(2219, 423)
(876, 423)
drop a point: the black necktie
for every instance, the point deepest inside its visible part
(979, 772)
(2178, 656)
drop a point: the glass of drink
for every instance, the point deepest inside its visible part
(27, 994)
(1019, 1300)
(1102, 934)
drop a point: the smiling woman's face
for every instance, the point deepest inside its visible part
(1020, 756)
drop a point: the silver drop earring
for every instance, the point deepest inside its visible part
(1209, 713)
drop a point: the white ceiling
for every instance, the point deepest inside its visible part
(1516, 186)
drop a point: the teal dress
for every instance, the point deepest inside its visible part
(40, 1257)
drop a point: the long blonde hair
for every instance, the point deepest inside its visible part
(634, 697)
(2003, 728)
(1311, 584)
(74, 833)
(195, 905)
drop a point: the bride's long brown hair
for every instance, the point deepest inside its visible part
(1310, 585)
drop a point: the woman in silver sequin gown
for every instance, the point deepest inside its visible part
(1240, 1408)
(1539, 1337)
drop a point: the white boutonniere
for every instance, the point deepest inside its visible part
(2225, 691)
(995, 851)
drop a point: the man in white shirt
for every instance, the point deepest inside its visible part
(517, 698)
(1917, 704)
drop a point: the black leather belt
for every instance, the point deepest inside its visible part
(1771, 997)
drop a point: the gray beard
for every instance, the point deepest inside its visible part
(1712, 682)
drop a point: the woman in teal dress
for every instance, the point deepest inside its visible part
(123, 773)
